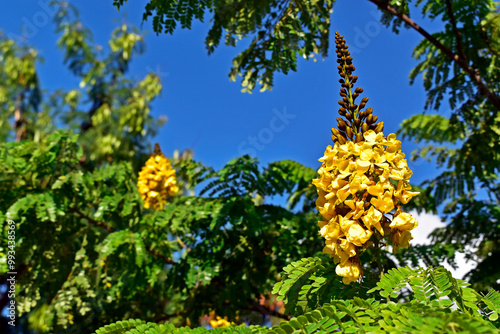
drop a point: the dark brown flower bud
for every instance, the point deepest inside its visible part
(359, 138)
(364, 127)
(349, 133)
(341, 139)
(380, 127)
(363, 103)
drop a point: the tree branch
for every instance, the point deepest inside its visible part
(111, 230)
(473, 73)
(458, 36)
(20, 118)
(94, 222)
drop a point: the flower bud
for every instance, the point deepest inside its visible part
(364, 127)
(349, 133)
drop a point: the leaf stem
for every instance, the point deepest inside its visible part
(378, 255)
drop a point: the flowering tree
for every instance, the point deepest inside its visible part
(97, 244)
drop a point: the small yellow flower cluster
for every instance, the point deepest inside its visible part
(219, 322)
(359, 183)
(157, 180)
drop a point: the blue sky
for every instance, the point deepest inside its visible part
(208, 113)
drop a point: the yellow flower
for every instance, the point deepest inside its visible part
(359, 182)
(350, 271)
(379, 189)
(358, 235)
(372, 138)
(330, 231)
(402, 193)
(157, 180)
(219, 322)
(371, 218)
(342, 250)
(404, 221)
(400, 239)
(357, 209)
(384, 203)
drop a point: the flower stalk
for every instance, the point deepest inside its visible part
(363, 182)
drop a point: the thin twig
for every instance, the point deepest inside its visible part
(183, 245)
(93, 221)
(458, 36)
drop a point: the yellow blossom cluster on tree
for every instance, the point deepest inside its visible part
(157, 180)
(363, 180)
(220, 322)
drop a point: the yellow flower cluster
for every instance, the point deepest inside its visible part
(157, 181)
(219, 322)
(359, 184)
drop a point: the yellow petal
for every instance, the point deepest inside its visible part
(404, 221)
(362, 166)
(358, 235)
(350, 271)
(383, 204)
(400, 239)
(345, 223)
(371, 218)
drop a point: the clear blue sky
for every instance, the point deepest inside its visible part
(208, 113)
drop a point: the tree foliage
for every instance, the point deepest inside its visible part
(87, 247)
(280, 32)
